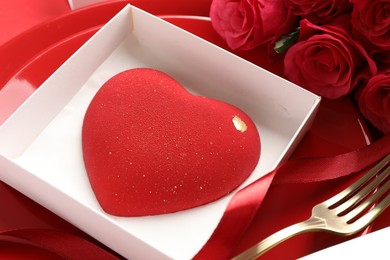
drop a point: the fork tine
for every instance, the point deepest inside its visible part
(366, 219)
(363, 180)
(369, 201)
(324, 219)
(361, 194)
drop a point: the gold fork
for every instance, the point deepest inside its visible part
(347, 213)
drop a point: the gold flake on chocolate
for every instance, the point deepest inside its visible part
(239, 124)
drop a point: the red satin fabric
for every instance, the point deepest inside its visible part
(62, 245)
(238, 216)
(246, 202)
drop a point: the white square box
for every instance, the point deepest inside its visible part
(40, 144)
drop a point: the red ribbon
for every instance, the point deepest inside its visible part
(238, 215)
(245, 203)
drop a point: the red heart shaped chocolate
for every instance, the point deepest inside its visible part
(151, 147)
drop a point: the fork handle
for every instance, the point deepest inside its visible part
(311, 224)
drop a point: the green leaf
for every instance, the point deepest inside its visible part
(286, 41)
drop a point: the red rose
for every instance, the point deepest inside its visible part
(319, 11)
(246, 24)
(374, 101)
(371, 22)
(326, 61)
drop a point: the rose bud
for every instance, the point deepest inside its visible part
(319, 11)
(371, 23)
(374, 101)
(246, 24)
(326, 60)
